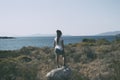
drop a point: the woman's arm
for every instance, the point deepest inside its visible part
(63, 44)
(54, 43)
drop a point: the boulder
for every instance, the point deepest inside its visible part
(63, 73)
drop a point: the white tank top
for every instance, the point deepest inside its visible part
(59, 44)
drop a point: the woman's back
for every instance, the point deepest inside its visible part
(58, 43)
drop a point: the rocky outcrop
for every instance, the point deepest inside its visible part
(59, 74)
(6, 37)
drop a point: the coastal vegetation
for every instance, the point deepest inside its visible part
(89, 60)
(5, 37)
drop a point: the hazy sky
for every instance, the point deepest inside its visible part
(73, 17)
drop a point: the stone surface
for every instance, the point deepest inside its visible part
(59, 74)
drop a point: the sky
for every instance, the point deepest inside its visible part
(72, 17)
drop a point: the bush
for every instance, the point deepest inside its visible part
(102, 42)
(89, 52)
(7, 70)
(77, 57)
(116, 66)
(77, 76)
(89, 40)
(6, 54)
(11, 69)
(104, 49)
(117, 39)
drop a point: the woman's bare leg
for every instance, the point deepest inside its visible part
(57, 59)
(64, 60)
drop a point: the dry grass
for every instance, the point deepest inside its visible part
(89, 61)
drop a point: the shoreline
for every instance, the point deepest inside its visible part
(18, 43)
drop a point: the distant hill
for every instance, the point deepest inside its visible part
(112, 33)
(37, 35)
(43, 35)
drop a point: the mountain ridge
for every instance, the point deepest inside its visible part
(110, 33)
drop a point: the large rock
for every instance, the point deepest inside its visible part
(59, 74)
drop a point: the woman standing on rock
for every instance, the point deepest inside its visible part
(59, 47)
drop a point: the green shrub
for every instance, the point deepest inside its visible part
(6, 54)
(76, 57)
(102, 42)
(89, 52)
(116, 66)
(8, 70)
(89, 40)
(117, 39)
(11, 69)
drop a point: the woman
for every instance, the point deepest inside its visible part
(59, 47)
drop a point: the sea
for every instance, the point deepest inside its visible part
(19, 42)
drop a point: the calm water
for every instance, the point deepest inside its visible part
(19, 42)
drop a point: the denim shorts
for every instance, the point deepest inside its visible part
(59, 52)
